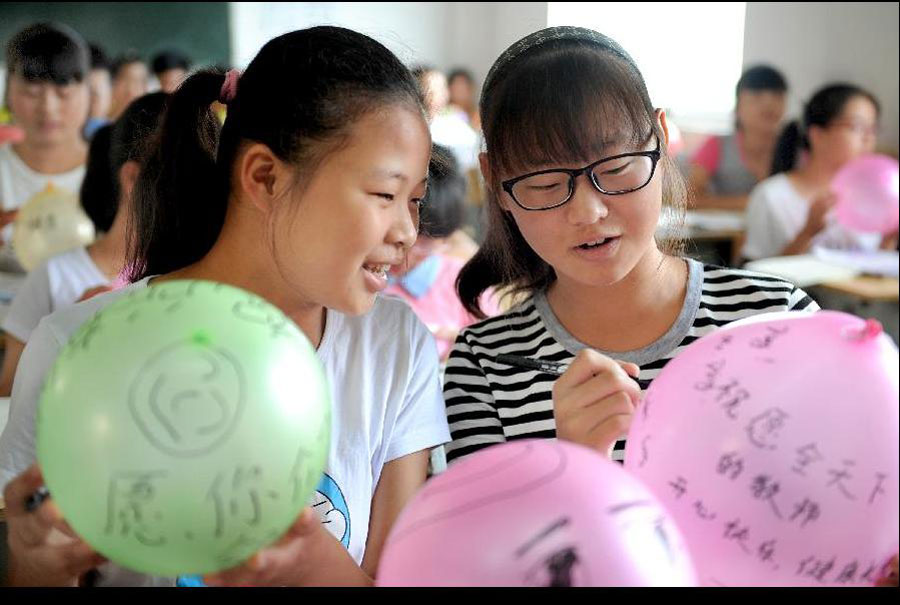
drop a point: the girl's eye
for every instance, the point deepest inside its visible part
(418, 201)
(388, 196)
(617, 169)
(544, 187)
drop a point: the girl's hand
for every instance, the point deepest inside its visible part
(44, 551)
(818, 211)
(594, 400)
(890, 575)
(307, 555)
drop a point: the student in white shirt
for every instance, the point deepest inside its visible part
(789, 213)
(307, 196)
(114, 164)
(47, 93)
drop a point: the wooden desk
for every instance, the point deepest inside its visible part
(721, 230)
(867, 288)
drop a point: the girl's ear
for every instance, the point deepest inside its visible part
(261, 177)
(128, 175)
(661, 118)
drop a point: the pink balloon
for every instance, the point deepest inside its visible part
(534, 513)
(773, 443)
(867, 192)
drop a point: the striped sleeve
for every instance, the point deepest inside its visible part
(801, 301)
(471, 413)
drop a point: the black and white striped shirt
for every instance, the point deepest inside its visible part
(489, 402)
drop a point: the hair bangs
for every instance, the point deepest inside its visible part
(567, 110)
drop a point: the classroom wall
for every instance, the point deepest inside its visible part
(818, 42)
(415, 31)
(479, 32)
(443, 34)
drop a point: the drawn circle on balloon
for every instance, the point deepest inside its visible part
(188, 398)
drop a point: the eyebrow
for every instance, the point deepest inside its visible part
(558, 524)
(399, 176)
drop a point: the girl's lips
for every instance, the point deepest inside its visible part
(377, 280)
(597, 253)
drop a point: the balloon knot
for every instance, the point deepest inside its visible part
(870, 330)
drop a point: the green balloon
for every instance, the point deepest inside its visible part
(184, 427)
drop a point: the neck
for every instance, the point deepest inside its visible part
(756, 141)
(817, 172)
(230, 263)
(52, 159)
(109, 251)
(626, 315)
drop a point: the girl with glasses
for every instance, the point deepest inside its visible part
(578, 169)
(788, 213)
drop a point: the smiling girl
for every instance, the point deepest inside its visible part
(307, 197)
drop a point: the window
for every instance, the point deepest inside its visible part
(690, 53)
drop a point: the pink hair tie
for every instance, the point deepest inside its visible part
(229, 87)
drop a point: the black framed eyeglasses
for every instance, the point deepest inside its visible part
(615, 175)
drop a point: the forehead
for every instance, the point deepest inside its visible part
(394, 137)
(861, 108)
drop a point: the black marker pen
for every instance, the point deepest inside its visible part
(548, 367)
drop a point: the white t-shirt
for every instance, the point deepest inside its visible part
(776, 214)
(18, 183)
(386, 396)
(451, 130)
(54, 284)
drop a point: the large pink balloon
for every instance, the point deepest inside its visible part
(534, 513)
(867, 194)
(774, 445)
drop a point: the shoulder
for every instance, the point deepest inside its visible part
(390, 322)
(520, 317)
(66, 321)
(727, 289)
(69, 264)
(772, 187)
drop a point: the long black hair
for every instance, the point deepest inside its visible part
(822, 109)
(113, 145)
(299, 97)
(554, 97)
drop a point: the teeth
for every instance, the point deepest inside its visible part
(378, 269)
(594, 243)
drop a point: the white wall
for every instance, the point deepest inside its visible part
(815, 43)
(443, 34)
(415, 31)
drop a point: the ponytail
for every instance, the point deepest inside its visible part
(179, 204)
(786, 149)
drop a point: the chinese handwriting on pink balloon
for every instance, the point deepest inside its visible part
(819, 568)
(839, 476)
(765, 428)
(772, 334)
(729, 394)
(806, 455)
(765, 488)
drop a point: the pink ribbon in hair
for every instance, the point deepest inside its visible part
(229, 87)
